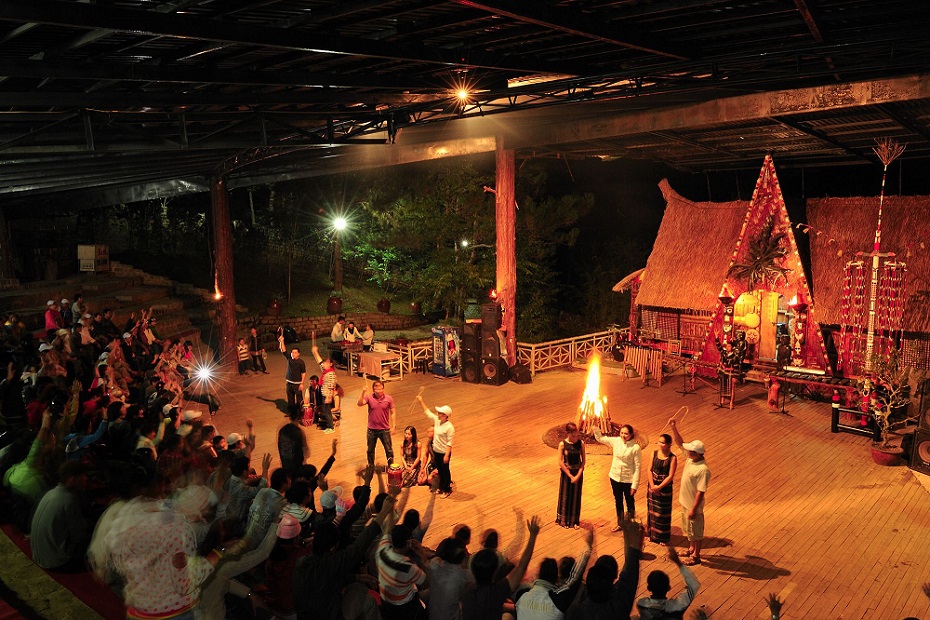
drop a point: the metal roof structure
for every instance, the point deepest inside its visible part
(106, 101)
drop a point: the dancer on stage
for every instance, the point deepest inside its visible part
(443, 434)
(382, 419)
(660, 493)
(694, 480)
(624, 470)
(571, 465)
(296, 374)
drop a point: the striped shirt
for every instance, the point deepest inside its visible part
(397, 575)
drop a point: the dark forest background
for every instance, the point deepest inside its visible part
(581, 227)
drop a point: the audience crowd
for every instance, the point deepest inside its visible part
(106, 468)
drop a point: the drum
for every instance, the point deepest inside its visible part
(395, 476)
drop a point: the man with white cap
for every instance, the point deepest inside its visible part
(443, 434)
(694, 479)
(67, 318)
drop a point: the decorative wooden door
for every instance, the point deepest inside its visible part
(768, 339)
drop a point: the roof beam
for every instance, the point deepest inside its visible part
(595, 121)
(60, 69)
(787, 122)
(570, 22)
(121, 100)
(81, 15)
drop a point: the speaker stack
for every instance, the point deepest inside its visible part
(470, 359)
(494, 369)
(920, 454)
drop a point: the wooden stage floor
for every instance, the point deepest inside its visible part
(791, 509)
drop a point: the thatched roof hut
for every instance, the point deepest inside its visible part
(692, 252)
(843, 226)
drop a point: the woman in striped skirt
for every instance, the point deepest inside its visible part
(664, 464)
(571, 464)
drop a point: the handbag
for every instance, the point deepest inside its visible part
(264, 355)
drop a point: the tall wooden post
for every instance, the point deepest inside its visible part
(223, 264)
(505, 209)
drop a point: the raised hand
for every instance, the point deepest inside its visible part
(775, 605)
(532, 525)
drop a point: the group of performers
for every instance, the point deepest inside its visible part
(624, 478)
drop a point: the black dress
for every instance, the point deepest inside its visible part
(569, 510)
(660, 502)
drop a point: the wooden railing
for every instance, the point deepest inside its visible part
(412, 352)
(560, 353)
(537, 357)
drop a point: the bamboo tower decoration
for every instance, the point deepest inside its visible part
(876, 318)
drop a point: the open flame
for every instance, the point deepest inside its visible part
(593, 412)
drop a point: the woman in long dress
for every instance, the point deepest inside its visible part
(664, 464)
(571, 465)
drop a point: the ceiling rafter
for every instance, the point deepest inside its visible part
(73, 14)
(572, 23)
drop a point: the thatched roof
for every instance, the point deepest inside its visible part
(844, 226)
(692, 252)
(627, 282)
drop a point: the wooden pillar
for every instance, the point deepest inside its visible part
(505, 209)
(223, 265)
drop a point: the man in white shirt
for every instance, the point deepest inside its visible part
(443, 434)
(694, 480)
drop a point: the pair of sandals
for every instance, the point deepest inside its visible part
(692, 559)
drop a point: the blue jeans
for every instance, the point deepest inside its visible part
(385, 437)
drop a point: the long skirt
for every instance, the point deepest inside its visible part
(569, 511)
(660, 515)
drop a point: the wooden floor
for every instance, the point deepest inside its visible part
(791, 509)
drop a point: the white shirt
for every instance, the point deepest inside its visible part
(443, 433)
(338, 333)
(625, 465)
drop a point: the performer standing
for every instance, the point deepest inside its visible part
(382, 419)
(257, 351)
(624, 470)
(659, 498)
(443, 434)
(295, 376)
(571, 464)
(327, 386)
(694, 480)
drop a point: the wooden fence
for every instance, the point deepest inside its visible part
(537, 357)
(564, 352)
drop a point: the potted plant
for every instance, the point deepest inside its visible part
(384, 304)
(401, 340)
(416, 308)
(334, 303)
(889, 397)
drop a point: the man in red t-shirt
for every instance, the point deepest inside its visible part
(382, 418)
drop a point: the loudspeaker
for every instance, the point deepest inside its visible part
(471, 367)
(490, 345)
(924, 420)
(494, 371)
(920, 455)
(520, 373)
(491, 317)
(471, 336)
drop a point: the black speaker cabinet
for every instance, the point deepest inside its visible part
(520, 373)
(471, 367)
(491, 317)
(494, 371)
(920, 455)
(471, 336)
(924, 420)
(490, 345)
